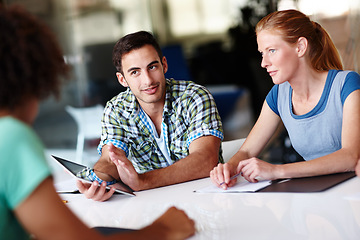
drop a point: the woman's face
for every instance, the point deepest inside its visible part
(280, 59)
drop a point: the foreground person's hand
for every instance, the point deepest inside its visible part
(173, 224)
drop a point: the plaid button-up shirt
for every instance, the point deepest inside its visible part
(189, 113)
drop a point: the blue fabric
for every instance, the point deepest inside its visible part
(90, 175)
(93, 177)
(271, 99)
(352, 83)
(318, 132)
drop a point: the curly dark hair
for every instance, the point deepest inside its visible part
(32, 62)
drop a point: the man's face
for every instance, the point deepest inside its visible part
(144, 75)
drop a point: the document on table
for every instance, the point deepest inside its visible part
(353, 196)
(241, 186)
(67, 186)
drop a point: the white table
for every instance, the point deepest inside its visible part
(333, 214)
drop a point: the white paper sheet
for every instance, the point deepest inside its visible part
(353, 196)
(241, 186)
(66, 186)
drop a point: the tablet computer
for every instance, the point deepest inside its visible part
(73, 168)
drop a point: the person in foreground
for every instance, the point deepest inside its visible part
(357, 169)
(159, 131)
(29, 205)
(318, 103)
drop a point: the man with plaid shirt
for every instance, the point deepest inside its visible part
(159, 131)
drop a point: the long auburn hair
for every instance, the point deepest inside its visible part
(292, 25)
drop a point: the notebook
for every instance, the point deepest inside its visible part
(309, 184)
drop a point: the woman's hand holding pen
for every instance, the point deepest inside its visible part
(252, 169)
(222, 174)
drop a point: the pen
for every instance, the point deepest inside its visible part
(71, 192)
(235, 176)
(278, 181)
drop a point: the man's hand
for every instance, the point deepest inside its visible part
(113, 162)
(125, 168)
(94, 191)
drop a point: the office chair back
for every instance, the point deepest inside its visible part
(88, 121)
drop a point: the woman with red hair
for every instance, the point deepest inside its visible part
(318, 103)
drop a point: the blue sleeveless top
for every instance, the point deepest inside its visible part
(318, 132)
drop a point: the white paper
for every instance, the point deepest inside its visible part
(241, 186)
(66, 186)
(353, 196)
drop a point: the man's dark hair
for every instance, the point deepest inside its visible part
(131, 42)
(31, 60)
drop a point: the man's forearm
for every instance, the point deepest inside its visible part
(194, 166)
(203, 157)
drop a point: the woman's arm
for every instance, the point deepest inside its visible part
(343, 160)
(44, 215)
(257, 139)
(259, 135)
